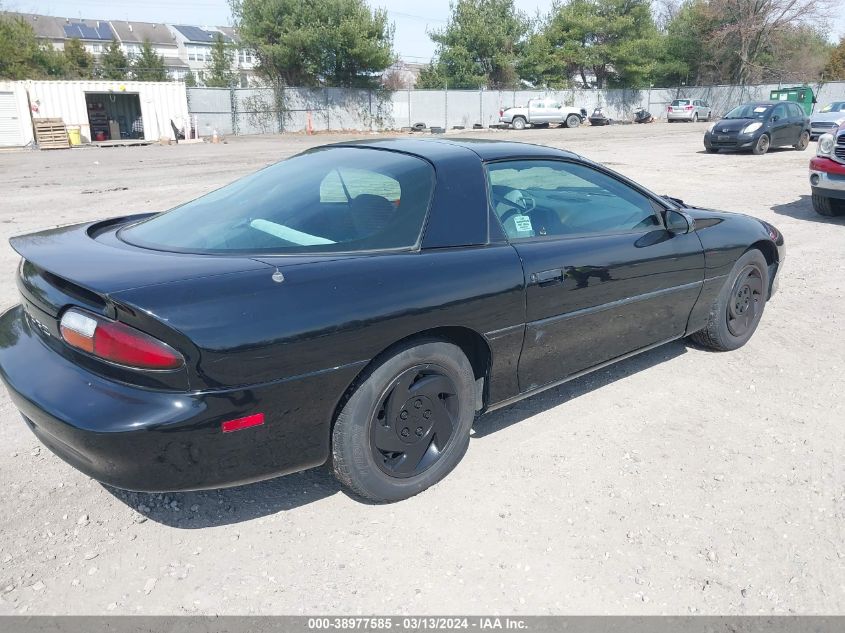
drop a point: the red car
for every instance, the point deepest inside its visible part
(827, 174)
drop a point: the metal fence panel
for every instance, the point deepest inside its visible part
(429, 107)
(213, 109)
(256, 111)
(267, 110)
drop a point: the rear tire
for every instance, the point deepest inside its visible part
(736, 312)
(518, 123)
(803, 141)
(762, 145)
(573, 120)
(828, 207)
(407, 424)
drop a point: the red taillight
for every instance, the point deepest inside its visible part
(669, 109)
(689, 107)
(501, 112)
(116, 342)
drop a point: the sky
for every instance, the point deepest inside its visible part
(412, 18)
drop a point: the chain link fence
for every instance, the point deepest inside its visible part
(271, 111)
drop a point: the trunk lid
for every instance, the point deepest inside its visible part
(85, 263)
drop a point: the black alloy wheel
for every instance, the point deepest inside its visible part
(745, 300)
(414, 421)
(736, 312)
(407, 423)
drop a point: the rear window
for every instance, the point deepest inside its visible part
(680, 102)
(335, 199)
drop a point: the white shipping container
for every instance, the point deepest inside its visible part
(160, 103)
(15, 125)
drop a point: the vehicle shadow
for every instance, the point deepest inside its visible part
(747, 152)
(215, 508)
(802, 209)
(225, 506)
(517, 412)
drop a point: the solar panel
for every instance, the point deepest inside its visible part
(85, 32)
(196, 34)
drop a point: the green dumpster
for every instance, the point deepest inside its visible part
(802, 95)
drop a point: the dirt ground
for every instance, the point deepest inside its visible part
(680, 481)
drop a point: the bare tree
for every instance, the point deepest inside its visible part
(748, 25)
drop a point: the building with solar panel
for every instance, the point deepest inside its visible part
(195, 44)
(184, 48)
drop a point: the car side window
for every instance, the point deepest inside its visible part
(797, 111)
(780, 111)
(537, 198)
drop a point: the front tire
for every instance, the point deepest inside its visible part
(407, 424)
(803, 141)
(737, 310)
(573, 120)
(518, 123)
(762, 145)
(828, 207)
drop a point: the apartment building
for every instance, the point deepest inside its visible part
(184, 48)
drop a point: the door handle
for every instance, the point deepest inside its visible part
(545, 277)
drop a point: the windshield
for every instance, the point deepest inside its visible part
(750, 111)
(335, 199)
(836, 106)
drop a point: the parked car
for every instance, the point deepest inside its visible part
(542, 113)
(359, 303)
(827, 174)
(758, 126)
(827, 119)
(688, 110)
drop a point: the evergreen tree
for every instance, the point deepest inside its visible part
(80, 63)
(219, 71)
(148, 65)
(113, 62)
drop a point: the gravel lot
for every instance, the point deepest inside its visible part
(680, 481)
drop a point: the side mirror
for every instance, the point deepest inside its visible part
(775, 117)
(679, 222)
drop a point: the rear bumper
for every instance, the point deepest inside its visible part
(827, 178)
(680, 116)
(149, 440)
(817, 130)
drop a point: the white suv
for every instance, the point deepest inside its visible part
(540, 113)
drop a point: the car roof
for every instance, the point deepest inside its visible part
(435, 149)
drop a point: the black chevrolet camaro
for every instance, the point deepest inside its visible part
(359, 304)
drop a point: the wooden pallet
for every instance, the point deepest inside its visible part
(51, 134)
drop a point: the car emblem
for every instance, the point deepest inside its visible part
(724, 129)
(38, 323)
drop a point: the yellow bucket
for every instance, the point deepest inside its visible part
(74, 135)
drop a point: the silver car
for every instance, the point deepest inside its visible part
(688, 110)
(827, 119)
